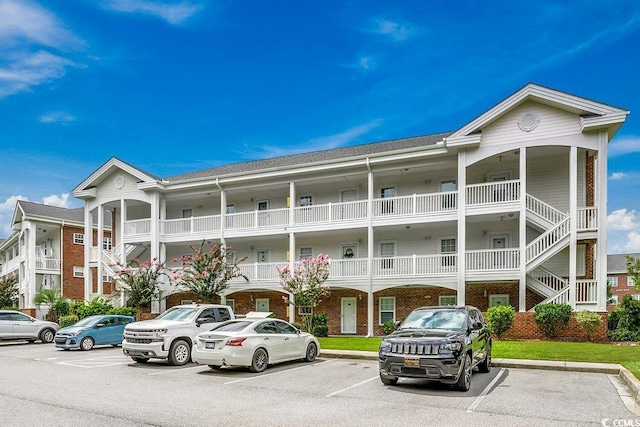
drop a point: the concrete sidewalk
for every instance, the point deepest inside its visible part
(604, 368)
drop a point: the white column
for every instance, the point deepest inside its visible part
(292, 202)
(123, 218)
(88, 245)
(292, 263)
(573, 212)
(462, 227)
(99, 247)
(522, 236)
(371, 251)
(223, 215)
(600, 178)
(155, 239)
(31, 263)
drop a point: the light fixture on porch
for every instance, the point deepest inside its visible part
(251, 296)
(484, 293)
(360, 297)
(500, 159)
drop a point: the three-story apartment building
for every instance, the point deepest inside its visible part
(508, 209)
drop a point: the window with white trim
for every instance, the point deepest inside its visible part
(78, 271)
(306, 252)
(387, 307)
(613, 300)
(630, 281)
(447, 300)
(106, 278)
(231, 303)
(613, 281)
(78, 239)
(448, 246)
(106, 243)
(387, 193)
(305, 310)
(387, 252)
(306, 200)
(636, 297)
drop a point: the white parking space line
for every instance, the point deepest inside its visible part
(96, 362)
(486, 390)
(352, 386)
(276, 373)
(168, 371)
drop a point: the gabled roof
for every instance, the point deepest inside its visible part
(595, 114)
(352, 152)
(52, 213)
(114, 164)
(617, 263)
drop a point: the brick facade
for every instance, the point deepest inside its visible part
(525, 328)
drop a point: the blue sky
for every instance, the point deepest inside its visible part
(182, 85)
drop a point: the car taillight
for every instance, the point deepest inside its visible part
(236, 342)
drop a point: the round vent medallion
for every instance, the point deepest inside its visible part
(528, 121)
(119, 182)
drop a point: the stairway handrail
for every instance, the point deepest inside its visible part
(547, 239)
(544, 209)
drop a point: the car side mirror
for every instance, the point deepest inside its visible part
(199, 322)
(396, 324)
(476, 325)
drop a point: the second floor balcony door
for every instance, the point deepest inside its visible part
(263, 217)
(348, 211)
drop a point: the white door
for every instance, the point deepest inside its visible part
(500, 190)
(499, 241)
(263, 217)
(348, 315)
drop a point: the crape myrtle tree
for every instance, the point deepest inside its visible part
(206, 273)
(141, 281)
(306, 285)
(8, 291)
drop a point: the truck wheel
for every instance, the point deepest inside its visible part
(485, 365)
(464, 382)
(180, 353)
(388, 381)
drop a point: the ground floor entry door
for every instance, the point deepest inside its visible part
(348, 315)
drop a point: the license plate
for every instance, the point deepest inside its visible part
(210, 345)
(412, 362)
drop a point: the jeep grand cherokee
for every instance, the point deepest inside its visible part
(437, 343)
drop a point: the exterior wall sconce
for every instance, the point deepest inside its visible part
(484, 294)
(251, 296)
(360, 297)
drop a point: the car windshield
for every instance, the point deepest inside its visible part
(233, 326)
(88, 321)
(180, 313)
(434, 319)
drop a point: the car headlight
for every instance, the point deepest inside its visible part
(76, 333)
(451, 346)
(385, 347)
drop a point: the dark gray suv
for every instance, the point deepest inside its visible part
(437, 343)
(15, 325)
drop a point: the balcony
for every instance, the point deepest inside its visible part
(50, 264)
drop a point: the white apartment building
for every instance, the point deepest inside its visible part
(508, 209)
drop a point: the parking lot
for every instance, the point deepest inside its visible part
(40, 385)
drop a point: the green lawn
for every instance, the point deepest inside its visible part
(625, 355)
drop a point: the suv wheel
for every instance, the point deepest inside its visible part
(485, 365)
(180, 353)
(46, 336)
(388, 381)
(464, 382)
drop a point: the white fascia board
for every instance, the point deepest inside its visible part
(463, 141)
(110, 165)
(154, 185)
(614, 120)
(89, 193)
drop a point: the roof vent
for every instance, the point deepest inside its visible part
(529, 121)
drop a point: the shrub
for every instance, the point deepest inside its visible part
(589, 322)
(622, 334)
(630, 318)
(320, 319)
(552, 318)
(97, 305)
(67, 320)
(614, 318)
(500, 319)
(388, 327)
(321, 331)
(297, 325)
(123, 311)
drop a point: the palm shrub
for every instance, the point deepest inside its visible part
(589, 322)
(53, 299)
(500, 319)
(552, 318)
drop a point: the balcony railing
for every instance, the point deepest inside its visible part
(493, 259)
(493, 192)
(257, 219)
(587, 219)
(587, 291)
(544, 210)
(47, 263)
(137, 227)
(417, 204)
(330, 213)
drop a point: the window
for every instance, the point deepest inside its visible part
(387, 309)
(447, 300)
(106, 243)
(306, 201)
(187, 213)
(636, 297)
(106, 277)
(613, 300)
(630, 281)
(305, 310)
(306, 252)
(387, 250)
(231, 303)
(613, 281)
(78, 238)
(498, 299)
(186, 302)
(448, 246)
(262, 304)
(78, 271)
(231, 208)
(387, 193)
(448, 200)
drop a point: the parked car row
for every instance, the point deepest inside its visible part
(435, 343)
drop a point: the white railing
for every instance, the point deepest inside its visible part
(562, 297)
(348, 268)
(493, 192)
(540, 244)
(194, 224)
(493, 259)
(415, 265)
(261, 271)
(136, 227)
(330, 212)
(257, 219)
(544, 210)
(47, 263)
(549, 279)
(586, 291)
(417, 204)
(587, 218)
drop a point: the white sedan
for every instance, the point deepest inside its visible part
(255, 343)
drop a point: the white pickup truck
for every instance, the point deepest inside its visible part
(172, 334)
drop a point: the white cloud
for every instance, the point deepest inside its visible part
(622, 219)
(322, 143)
(395, 30)
(8, 207)
(622, 146)
(57, 117)
(172, 12)
(633, 244)
(61, 201)
(28, 33)
(366, 63)
(617, 176)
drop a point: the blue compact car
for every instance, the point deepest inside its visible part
(104, 329)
